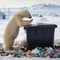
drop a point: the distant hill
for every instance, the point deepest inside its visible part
(45, 6)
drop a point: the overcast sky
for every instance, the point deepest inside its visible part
(20, 3)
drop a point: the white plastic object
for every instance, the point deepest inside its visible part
(28, 19)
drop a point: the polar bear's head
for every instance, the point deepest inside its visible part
(23, 14)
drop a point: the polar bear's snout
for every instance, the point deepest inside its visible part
(31, 20)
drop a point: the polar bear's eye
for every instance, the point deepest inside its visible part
(30, 16)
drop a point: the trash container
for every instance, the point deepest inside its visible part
(41, 35)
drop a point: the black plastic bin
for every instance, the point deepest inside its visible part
(40, 36)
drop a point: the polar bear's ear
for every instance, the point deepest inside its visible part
(28, 19)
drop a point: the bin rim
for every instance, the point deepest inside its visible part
(41, 25)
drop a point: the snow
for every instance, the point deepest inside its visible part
(26, 58)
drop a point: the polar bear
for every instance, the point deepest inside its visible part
(12, 28)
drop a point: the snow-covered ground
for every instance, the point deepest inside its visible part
(25, 58)
(22, 34)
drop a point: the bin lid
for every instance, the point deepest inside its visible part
(41, 25)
